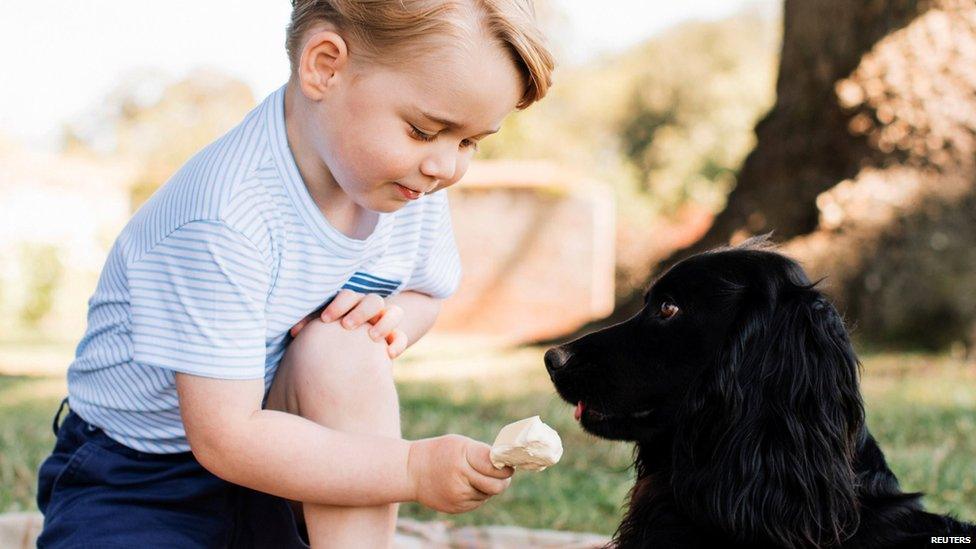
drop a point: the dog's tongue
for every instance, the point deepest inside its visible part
(579, 410)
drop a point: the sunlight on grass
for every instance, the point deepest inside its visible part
(921, 408)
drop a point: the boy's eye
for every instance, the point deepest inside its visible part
(423, 136)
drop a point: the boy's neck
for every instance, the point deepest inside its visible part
(338, 208)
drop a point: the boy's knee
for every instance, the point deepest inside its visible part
(328, 366)
(329, 350)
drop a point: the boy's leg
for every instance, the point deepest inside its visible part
(343, 380)
(94, 492)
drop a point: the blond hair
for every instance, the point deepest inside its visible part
(379, 26)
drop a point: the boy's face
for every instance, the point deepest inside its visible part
(388, 136)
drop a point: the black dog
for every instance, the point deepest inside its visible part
(739, 384)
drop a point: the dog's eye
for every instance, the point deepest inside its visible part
(668, 309)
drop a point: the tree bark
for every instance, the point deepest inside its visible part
(867, 154)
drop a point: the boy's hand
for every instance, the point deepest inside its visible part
(356, 309)
(453, 473)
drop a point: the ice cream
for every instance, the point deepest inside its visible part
(527, 444)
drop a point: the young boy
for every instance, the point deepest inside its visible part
(204, 396)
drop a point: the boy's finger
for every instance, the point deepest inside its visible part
(341, 304)
(386, 309)
(388, 319)
(479, 457)
(489, 486)
(396, 343)
(298, 327)
(368, 307)
(478, 496)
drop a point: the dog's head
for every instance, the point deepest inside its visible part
(738, 374)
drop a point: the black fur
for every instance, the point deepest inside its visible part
(746, 412)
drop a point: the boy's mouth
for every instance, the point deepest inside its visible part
(407, 192)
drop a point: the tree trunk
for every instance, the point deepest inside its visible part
(876, 103)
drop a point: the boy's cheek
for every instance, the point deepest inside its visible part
(461, 169)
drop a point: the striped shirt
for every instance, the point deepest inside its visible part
(211, 273)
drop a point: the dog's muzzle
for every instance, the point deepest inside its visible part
(556, 358)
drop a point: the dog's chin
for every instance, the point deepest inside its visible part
(637, 424)
(632, 426)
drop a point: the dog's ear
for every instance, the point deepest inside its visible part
(766, 442)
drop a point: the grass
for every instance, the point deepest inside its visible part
(921, 408)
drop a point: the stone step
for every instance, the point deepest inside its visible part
(20, 531)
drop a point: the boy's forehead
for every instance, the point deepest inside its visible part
(472, 92)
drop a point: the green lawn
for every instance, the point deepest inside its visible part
(922, 409)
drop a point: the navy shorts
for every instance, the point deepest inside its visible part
(95, 492)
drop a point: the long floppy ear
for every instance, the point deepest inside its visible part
(766, 442)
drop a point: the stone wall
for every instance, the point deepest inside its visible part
(537, 249)
(536, 242)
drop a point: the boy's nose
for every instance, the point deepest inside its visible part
(440, 166)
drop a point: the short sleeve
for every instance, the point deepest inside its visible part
(438, 268)
(197, 303)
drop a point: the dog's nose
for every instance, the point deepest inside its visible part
(556, 358)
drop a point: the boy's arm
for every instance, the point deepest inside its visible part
(291, 457)
(288, 455)
(419, 313)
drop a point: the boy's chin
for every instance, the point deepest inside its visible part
(380, 202)
(387, 206)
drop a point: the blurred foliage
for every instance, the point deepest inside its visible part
(43, 271)
(666, 122)
(160, 125)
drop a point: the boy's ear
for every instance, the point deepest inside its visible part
(323, 58)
